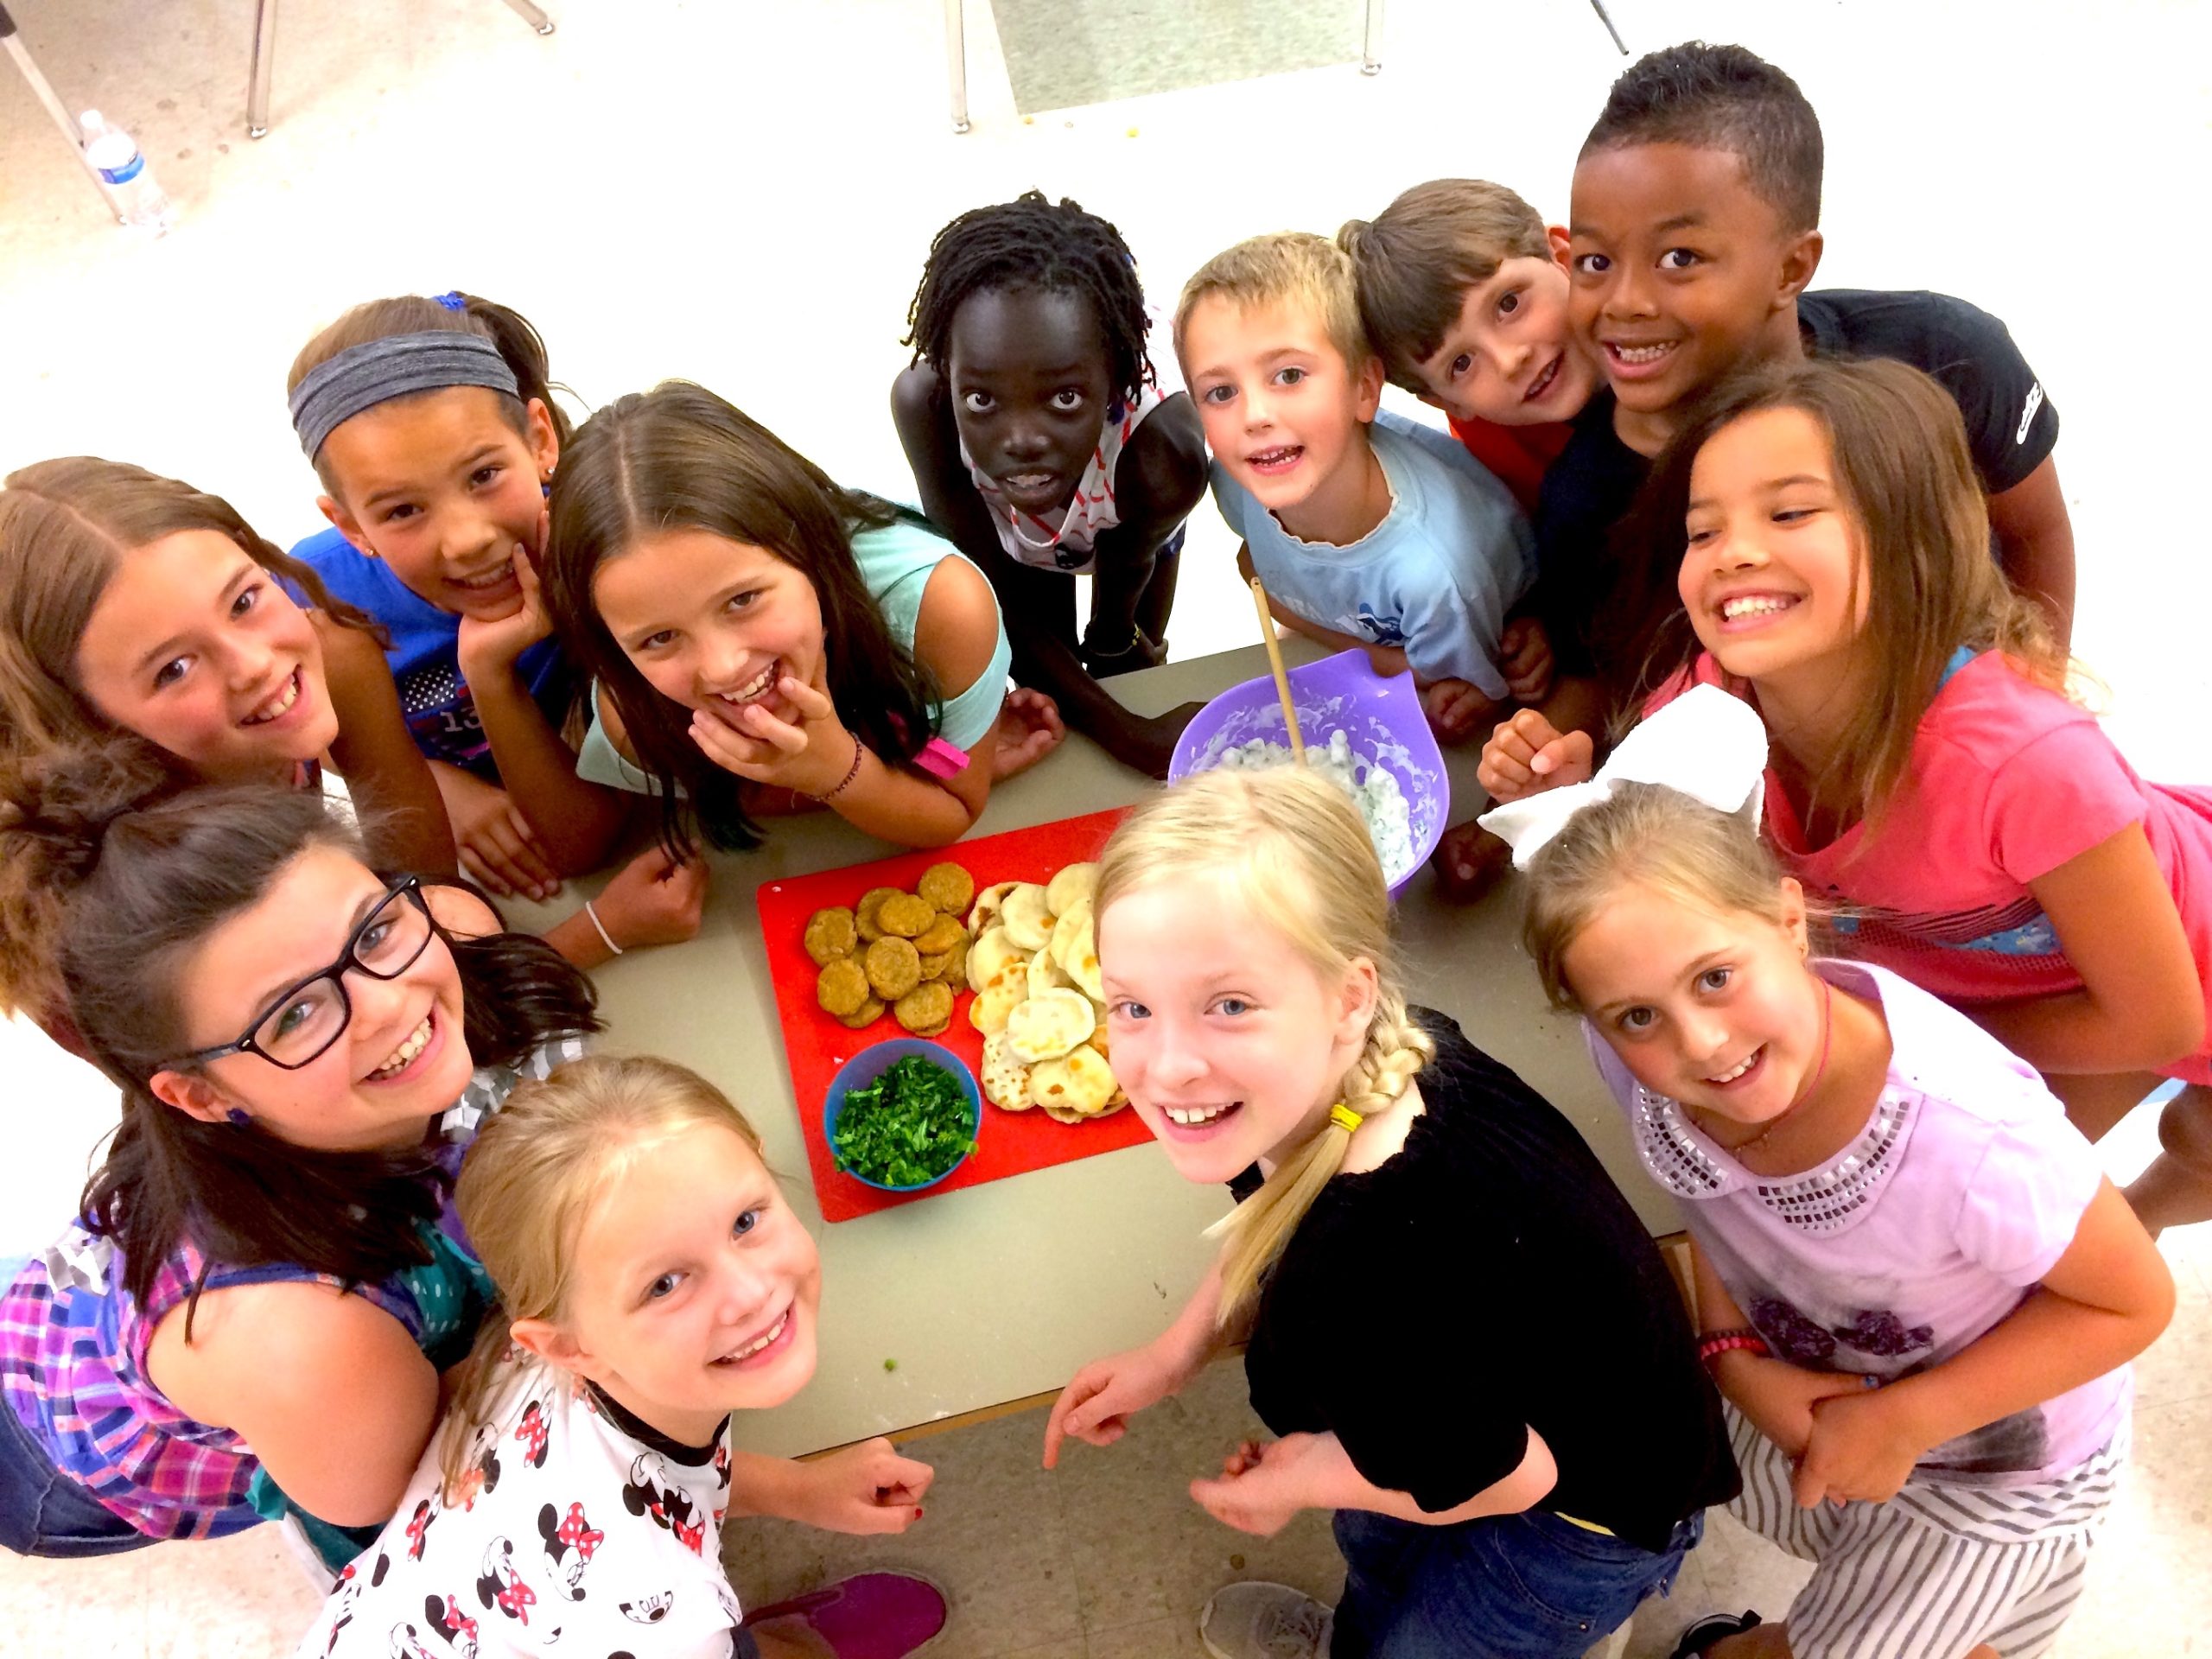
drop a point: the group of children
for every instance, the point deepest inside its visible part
(1871, 928)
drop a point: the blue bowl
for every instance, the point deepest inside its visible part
(872, 1063)
(1381, 718)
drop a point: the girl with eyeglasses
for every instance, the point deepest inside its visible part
(249, 1318)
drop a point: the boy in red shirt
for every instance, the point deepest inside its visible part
(1464, 289)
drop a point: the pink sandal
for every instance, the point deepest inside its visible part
(868, 1616)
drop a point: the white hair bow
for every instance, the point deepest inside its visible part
(1708, 745)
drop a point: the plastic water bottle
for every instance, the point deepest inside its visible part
(140, 201)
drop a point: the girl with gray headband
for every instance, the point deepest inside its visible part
(432, 429)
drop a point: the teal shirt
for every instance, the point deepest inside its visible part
(895, 565)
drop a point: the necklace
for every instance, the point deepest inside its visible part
(1812, 1088)
(1013, 518)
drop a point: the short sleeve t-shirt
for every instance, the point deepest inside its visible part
(1435, 578)
(2007, 781)
(1931, 1226)
(1599, 616)
(896, 564)
(1518, 456)
(1486, 1279)
(575, 1528)
(2011, 427)
(425, 658)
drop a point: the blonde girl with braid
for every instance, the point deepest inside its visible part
(1437, 1285)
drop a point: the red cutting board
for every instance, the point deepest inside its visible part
(814, 1045)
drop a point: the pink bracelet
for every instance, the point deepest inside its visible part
(942, 759)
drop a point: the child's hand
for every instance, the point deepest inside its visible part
(1779, 1397)
(1454, 707)
(650, 901)
(498, 848)
(1097, 1405)
(1150, 744)
(1030, 729)
(812, 756)
(1861, 1448)
(1468, 862)
(1262, 1487)
(1525, 659)
(491, 645)
(867, 1488)
(1527, 754)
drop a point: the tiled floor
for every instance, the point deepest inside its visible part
(742, 194)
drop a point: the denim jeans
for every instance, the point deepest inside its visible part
(45, 1512)
(1507, 1586)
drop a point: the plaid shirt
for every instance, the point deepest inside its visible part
(73, 1349)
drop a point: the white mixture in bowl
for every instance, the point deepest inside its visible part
(1374, 790)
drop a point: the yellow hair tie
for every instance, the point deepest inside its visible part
(1344, 1118)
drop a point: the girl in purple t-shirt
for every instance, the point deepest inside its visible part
(1931, 778)
(1913, 1285)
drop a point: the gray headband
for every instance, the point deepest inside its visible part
(361, 377)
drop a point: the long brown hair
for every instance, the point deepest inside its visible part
(532, 1176)
(518, 344)
(1303, 862)
(1907, 477)
(112, 875)
(65, 526)
(680, 458)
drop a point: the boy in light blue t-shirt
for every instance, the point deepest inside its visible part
(1366, 528)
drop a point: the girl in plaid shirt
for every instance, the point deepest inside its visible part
(251, 1312)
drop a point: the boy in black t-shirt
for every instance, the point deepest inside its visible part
(1695, 232)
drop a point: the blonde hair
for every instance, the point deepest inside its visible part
(536, 1169)
(1289, 268)
(1653, 837)
(1413, 262)
(1300, 858)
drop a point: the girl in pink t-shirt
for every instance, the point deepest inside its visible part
(1912, 1283)
(1930, 779)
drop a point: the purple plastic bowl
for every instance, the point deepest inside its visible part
(1381, 718)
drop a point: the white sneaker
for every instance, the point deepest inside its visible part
(1255, 1620)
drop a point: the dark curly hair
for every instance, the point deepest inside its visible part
(1721, 97)
(1030, 242)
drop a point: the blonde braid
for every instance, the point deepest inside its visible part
(1258, 1230)
(1299, 857)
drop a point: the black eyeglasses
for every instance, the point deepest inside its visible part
(296, 1026)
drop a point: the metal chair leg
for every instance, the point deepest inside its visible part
(1605, 17)
(44, 92)
(1371, 47)
(264, 64)
(531, 14)
(955, 63)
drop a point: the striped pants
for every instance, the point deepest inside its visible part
(1940, 1568)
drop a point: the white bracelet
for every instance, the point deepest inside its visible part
(606, 938)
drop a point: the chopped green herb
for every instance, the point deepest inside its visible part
(890, 1365)
(909, 1126)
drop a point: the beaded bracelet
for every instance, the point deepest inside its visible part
(1713, 1344)
(851, 772)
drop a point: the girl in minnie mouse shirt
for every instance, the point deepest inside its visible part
(652, 1280)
